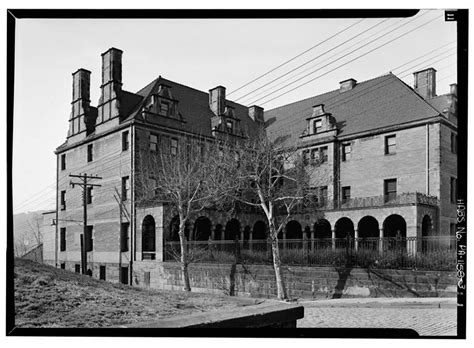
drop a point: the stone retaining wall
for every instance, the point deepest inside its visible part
(301, 282)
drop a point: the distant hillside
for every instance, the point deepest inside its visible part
(50, 297)
(25, 230)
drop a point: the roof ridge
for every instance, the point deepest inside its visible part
(331, 91)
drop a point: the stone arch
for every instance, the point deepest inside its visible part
(344, 227)
(259, 230)
(173, 235)
(232, 229)
(202, 228)
(368, 227)
(293, 230)
(369, 232)
(394, 225)
(148, 236)
(395, 229)
(322, 229)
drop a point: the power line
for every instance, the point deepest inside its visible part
(364, 54)
(297, 56)
(311, 60)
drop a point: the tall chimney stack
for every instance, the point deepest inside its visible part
(80, 101)
(111, 87)
(425, 82)
(217, 100)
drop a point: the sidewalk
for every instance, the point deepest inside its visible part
(427, 316)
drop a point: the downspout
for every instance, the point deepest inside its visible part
(427, 159)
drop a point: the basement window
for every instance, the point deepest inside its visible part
(77, 268)
(102, 273)
(63, 266)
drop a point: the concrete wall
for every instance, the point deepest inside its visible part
(302, 282)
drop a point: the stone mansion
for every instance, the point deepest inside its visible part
(387, 151)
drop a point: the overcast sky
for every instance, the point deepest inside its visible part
(202, 54)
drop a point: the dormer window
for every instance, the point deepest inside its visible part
(164, 108)
(317, 125)
(230, 126)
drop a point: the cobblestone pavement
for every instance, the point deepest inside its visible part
(427, 316)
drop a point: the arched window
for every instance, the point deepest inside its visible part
(259, 230)
(344, 230)
(369, 232)
(322, 229)
(395, 231)
(148, 238)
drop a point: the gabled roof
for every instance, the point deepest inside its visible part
(380, 102)
(440, 103)
(193, 105)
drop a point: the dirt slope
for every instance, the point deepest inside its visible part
(49, 297)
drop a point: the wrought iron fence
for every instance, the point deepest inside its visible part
(430, 253)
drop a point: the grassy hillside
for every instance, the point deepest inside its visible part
(49, 297)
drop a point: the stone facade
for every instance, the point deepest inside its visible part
(351, 169)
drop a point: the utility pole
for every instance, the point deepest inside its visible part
(84, 177)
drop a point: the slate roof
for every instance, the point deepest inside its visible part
(379, 102)
(193, 105)
(440, 103)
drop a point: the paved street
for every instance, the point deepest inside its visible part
(428, 316)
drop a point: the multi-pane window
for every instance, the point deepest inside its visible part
(453, 189)
(390, 144)
(90, 153)
(390, 190)
(454, 143)
(62, 243)
(125, 187)
(317, 125)
(346, 152)
(174, 146)
(88, 238)
(164, 108)
(63, 200)
(89, 195)
(102, 273)
(346, 194)
(323, 195)
(125, 141)
(124, 228)
(63, 161)
(153, 142)
(323, 156)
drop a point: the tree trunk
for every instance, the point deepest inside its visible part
(280, 282)
(184, 256)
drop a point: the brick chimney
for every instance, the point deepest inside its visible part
(425, 83)
(80, 101)
(347, 85)
(256, 114)
(217, 100)
(111, 84)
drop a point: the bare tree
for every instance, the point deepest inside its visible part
(180, 175)
(273, 178)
